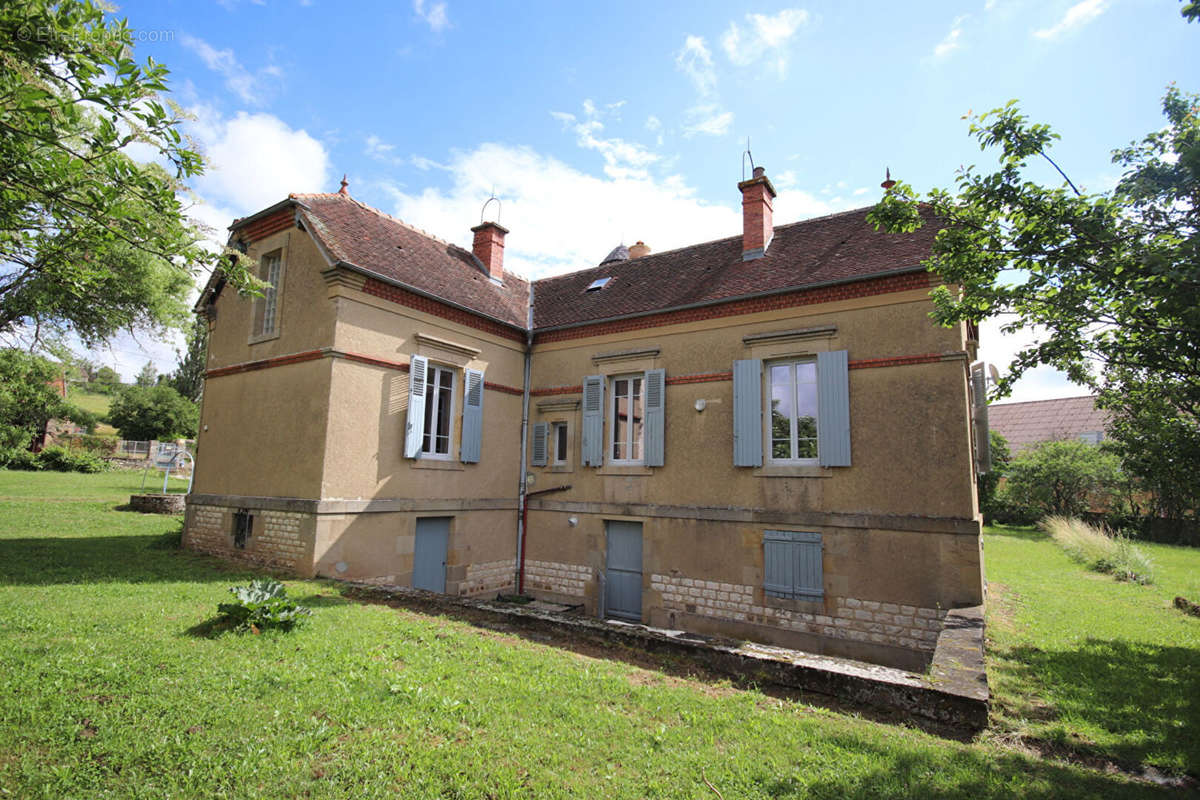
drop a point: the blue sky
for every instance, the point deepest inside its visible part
(602, 122)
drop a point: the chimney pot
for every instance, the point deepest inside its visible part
(757, 226)
(489, 248)
(639, 250)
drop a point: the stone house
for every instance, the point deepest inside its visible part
(762, 436)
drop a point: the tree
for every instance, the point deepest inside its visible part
(107, 380)
(148, 376)
(28, 399)
(90, 240)
(153, 412)
(188, 377)
(989, 481)
(1113, 278)
(1064, 478)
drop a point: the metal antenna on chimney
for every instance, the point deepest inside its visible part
(746, 154)
(487, 202)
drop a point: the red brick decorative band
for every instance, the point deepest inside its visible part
(262, 228)
(803, 297)
(556, 390)
(404, 297)
(313, 355)
(707, 377)
(897, 361)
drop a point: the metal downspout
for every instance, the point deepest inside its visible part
(522, 496)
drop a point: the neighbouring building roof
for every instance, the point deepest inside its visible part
(375, 242)
(831, 249)
(1025, 424)
(827, 250)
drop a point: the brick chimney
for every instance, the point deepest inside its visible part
(757, 227)
(489, 248)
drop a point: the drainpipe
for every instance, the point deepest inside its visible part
(521, 491)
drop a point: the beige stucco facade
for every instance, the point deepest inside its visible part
(304, 431)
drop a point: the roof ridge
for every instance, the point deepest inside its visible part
(1045, 400)
(652, 255)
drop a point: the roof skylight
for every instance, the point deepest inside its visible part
(597, 284)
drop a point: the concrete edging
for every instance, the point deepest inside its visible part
(954, 693)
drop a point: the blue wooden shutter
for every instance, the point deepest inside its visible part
(792, 565)
(833, 409)
(979, 419)
(539, 443)
(415, 427)
(472, 417)
(747, 413)
(593, 421)
(656, 384)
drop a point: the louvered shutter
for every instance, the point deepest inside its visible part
(747, 413)
(979, 419)
(833, 409)
(472, 417)
(792, 565)
(539, 443)
(414, 429)
(656, 384)
(593, 421)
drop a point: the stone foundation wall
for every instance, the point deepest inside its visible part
(489, 576)
(279, 540)
(910, 627)
(559, 578)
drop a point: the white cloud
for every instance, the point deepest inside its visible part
(378, 149)
(653, 123)
(708, 118)
(254, 161)
(1077, 15)
(695, 61)
(1040, 383)
(765, 37)
(621, 157)
(434, 15)
(249, 86)
(951, 42)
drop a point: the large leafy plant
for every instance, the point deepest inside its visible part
(263, 604)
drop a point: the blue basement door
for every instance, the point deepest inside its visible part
(623, 577)
(429, 554)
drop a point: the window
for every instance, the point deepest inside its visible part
(792, 565)
(243, 524)
(558, 443)
(1092, 437)
(439, 412)
(597, 284)
(626, 412)
(792, 398)
(266, 308)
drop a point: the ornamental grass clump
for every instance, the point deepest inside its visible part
(1100, 549)
(261, 605)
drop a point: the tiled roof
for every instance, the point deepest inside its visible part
(830, 249)
(1024, 424)
(384, 245)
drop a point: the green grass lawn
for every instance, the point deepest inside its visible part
(108, 688)
(1080, 661)
(94, 402)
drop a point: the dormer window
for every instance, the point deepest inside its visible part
(597, 284)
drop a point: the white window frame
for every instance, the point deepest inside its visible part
(432, 415)
(610, 434)
(269, 301)
(768, 433)
(558, 459)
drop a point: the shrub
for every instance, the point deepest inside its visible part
(263, 604)
(60, 459)
(23, 460)
(1064, 478)
(1005, 509)
(103, 446)
(156, 412)
(1099, 549)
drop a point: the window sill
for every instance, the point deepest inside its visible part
(625, 469)
(793, 471)
(437, 463)
(266, 337)
(808, 604)
(560, 468)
